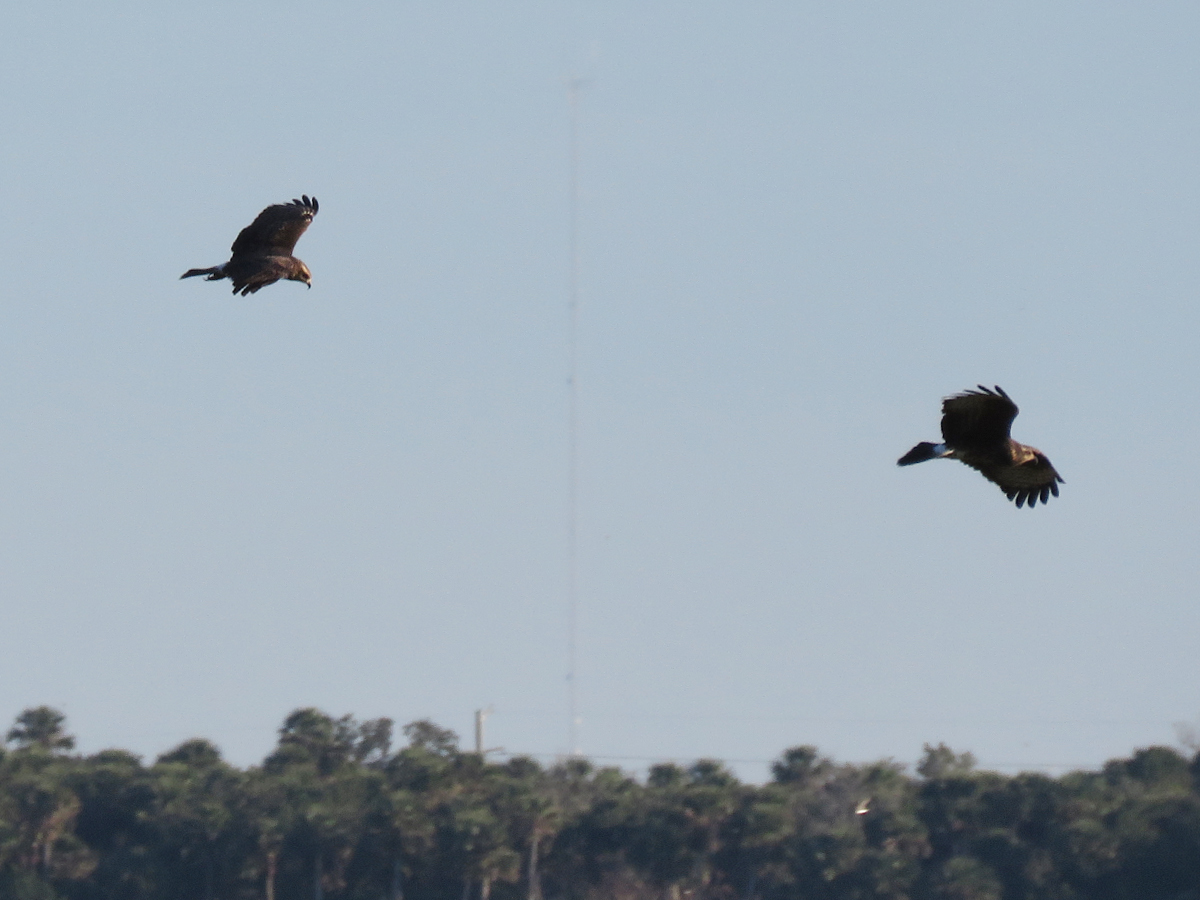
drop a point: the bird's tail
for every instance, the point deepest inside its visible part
(215, 273)
(922, 452)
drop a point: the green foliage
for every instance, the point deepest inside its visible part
(334, 813)
(40, 728)
(940, 761)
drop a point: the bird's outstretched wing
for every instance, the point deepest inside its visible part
(277, 228)
(1025, 482)
(978, 420)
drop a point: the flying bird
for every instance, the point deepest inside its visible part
(975, 430)
(262, 253)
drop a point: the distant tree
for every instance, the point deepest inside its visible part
(592, 856)
(1151, 817)
(39, 810)
(374, 742)
(401, 828)
(197, 814)
(268, 816)
(332, 825)
(681, 826)
(479, 845)
(1154, 768)
(310, 737)
(317, 772)
(800, 764)
(42, 728)
(116, 824)
(662, 846)
(425, 735)
(535, 814)
(196, 753)
(941, 761)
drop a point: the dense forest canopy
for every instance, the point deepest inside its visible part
(338, 812)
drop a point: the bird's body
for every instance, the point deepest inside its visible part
(262, 253)
(975, 430)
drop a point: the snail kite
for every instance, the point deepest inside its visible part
(975, 426)
(262, 253)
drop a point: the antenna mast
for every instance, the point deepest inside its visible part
(573, 90)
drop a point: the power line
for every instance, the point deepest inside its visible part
(1022, 766)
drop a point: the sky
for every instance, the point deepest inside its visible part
(799, 226)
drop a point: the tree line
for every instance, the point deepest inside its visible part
(335, 812)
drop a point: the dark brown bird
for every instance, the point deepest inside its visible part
(975, 426)
(262, 253)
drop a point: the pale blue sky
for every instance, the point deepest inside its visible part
(801, 225)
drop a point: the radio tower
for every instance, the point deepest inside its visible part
(573, 90)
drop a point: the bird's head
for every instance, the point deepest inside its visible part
(301, 273)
